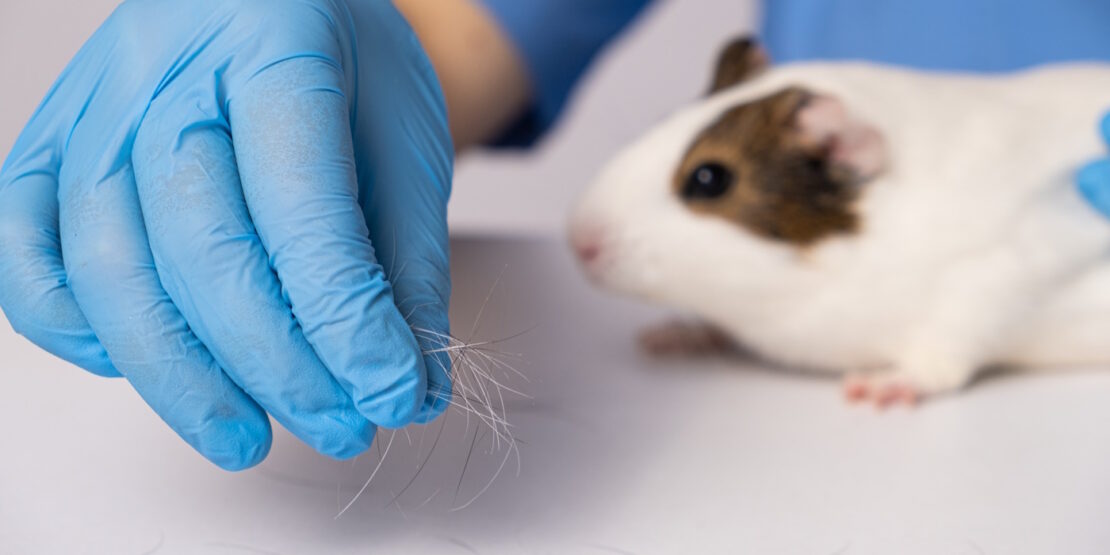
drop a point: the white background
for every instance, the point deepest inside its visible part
(623, 454)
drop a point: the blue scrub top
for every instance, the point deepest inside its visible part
(558, 38)
(975, 35)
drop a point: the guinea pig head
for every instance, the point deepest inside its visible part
(745, 178)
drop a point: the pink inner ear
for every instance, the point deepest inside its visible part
(851, 145)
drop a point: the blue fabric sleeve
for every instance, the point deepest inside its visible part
(968, 35)
(557, 39)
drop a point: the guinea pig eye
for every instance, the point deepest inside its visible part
(708, 181)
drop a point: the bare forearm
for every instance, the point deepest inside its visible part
(483, 78)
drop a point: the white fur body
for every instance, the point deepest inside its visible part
(975, 247)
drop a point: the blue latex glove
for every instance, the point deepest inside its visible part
(210, 202)
(1094, 180)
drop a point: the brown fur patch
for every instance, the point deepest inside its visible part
(740, 60)
(782, 187)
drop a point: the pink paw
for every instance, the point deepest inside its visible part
(881, 390)
(907, 384)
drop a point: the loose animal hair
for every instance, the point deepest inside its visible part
(479, 372)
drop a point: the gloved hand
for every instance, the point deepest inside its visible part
(1094, 179)
(240, 206)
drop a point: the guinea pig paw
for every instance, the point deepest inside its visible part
(679, 338)
(888, 389)
(882, 390)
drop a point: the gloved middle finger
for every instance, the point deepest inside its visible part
(214, 267)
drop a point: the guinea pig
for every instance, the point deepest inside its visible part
(905, 229)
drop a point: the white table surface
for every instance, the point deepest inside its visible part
(619, 454)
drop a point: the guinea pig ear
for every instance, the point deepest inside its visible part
(741, 60)
(855, 150)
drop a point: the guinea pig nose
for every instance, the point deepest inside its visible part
(586, 241)
(587, 252)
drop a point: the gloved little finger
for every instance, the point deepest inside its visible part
(33, 290)
(112, 276)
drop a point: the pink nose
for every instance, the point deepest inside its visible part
(587, 241)
(587, 252)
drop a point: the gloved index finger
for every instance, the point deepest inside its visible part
(292, 137)
(405, 160)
